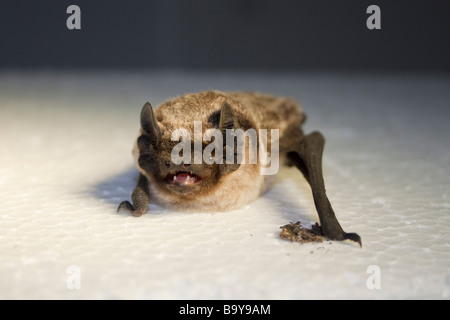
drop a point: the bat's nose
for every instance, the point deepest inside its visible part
(183, 166)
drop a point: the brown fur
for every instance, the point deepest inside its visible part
(253, 110)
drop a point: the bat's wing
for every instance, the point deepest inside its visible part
(151, 136)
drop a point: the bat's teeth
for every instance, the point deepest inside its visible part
(183, 178)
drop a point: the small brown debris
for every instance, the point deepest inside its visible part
(296, 233)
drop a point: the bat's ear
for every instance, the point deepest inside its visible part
(149, 125)
(228, 119)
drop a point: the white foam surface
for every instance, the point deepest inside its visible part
(66, 163)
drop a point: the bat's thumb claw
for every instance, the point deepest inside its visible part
(354, 237)
(125, 205)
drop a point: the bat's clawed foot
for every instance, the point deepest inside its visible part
(126, 205)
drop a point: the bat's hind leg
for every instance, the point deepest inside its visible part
(140, 198)
(307, 157)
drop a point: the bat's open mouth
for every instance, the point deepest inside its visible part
(182, 178)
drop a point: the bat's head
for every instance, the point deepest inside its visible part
(188, 177)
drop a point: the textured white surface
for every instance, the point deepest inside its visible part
(65, 164)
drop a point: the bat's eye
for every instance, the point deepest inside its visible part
(212, 157)
(167, 164)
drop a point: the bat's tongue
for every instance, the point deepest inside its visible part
(182, 176)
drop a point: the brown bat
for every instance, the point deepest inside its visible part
(222, 183)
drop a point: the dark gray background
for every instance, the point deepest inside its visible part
(232, 34)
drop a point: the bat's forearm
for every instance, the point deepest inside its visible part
(139, 197)
(307, 157)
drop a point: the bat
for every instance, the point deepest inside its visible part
(210, 178)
